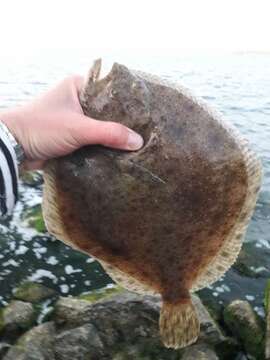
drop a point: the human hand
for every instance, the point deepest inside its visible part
(54, 125)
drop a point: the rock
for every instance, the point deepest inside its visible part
(101, 294)
(211, 333)
(267, 312)
(245, 324)
(69, 312)
(118, 318)
(199, 352)
(33, 292)
(138, 351)
(121, 325)
(121, 319)
(36, 344)
(32, 178)
(3, 348)
(17, 317)
(80, 343)
(241, 356)
(210, 330)
(130, 353)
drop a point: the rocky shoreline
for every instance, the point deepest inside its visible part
(112, 323)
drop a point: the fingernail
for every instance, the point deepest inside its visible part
(135, 141)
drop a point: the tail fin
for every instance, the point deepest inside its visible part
(178, 323)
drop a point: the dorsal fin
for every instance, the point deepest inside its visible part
(126, 281)
(51, 212)
(232, 245)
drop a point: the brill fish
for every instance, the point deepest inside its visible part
(168, 219)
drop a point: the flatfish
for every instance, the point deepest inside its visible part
(168, 219)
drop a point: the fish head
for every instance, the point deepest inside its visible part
(122, 95)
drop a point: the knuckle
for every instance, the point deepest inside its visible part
(116, 134)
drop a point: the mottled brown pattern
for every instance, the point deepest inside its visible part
(160, 214)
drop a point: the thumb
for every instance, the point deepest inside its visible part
(107, 133)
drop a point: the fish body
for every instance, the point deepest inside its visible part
(168, 219)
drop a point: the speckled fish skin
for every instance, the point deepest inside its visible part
(161, 214)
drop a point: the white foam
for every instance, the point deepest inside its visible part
(264, 243)
(219, 289)
(226, 288)
(52, 260)
(11, 262)
(21, 250)
(64, 288)
(70, 270)
(45, 309)
(90, 260)
(41, 273)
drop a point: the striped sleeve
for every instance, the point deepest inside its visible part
(8, 173)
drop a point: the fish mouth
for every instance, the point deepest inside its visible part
(94, 74)
(96, 82)
(93, 83)
(94, 77)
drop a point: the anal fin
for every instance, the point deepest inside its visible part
(126, 281)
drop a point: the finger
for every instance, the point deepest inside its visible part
(107, 133)
(33, 165)
(78, 81)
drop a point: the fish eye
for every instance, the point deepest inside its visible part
(113, 93)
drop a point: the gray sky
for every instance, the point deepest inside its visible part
(177, 26)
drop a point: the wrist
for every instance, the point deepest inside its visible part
(9, 122)
(11, 118)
